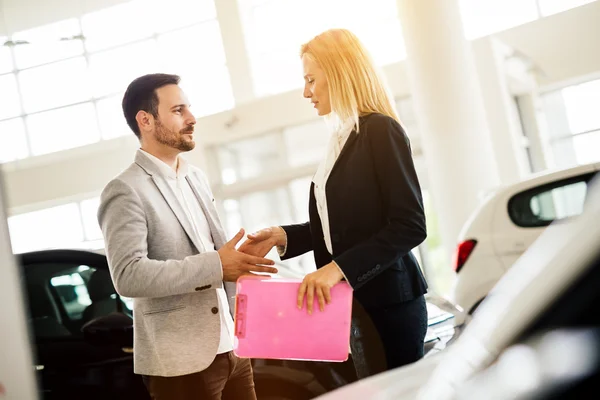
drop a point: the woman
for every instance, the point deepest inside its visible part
(365, 207)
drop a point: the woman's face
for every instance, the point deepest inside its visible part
(315, 86)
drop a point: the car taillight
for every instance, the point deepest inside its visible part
(462, 253)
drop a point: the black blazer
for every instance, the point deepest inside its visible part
(376, 216)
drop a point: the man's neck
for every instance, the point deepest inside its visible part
(171, 158)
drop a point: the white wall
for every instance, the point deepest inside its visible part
(564, 45)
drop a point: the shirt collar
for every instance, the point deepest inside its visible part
(164, 169)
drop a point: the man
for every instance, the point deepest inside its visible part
(167, 250)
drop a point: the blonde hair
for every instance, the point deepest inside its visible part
(356, 87)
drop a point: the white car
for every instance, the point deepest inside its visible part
(553, 287)
(508, 222)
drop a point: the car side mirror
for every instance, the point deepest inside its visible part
(115, 329)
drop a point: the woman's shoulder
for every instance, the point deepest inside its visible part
(377, 120)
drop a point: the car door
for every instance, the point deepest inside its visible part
(523, 216)
(66, 289)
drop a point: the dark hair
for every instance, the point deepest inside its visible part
(141, 95)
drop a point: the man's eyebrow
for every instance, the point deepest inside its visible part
(179, 105)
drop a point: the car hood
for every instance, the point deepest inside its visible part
(404, 382)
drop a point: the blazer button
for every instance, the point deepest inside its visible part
(214, 310)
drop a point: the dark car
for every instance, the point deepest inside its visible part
(82, 334)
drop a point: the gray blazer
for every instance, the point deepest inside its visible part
(153, 258)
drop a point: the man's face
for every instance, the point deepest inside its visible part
(174, 126)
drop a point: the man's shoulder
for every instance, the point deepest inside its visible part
(128, 177)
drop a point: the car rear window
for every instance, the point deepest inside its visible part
(555, 201)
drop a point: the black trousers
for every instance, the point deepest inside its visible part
(388, 337)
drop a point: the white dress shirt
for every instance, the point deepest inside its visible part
(195, 215)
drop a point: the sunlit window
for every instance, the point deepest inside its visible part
(201, 65)
(61, 129)
(117, 25)
(55, 85)
(173, 14)
(6, 64)
(484, 17)
(50, 228)
(274, 31)
(109, 76)
(13, 144)
(549, 7)
(9, 97)
(582, 103)
(111, 118)
(89, 211)
(48, 43)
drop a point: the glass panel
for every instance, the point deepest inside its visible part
(6, 64)
(209, 91)
(50, 228)
(384, 52)
(89, 210)
(549, 7)
(204, 76)
(62, 129)
(73, 293)
(10, 105)
(13, 143)
(586, 147)
(47, 43)
(277, 72)
(581, 104)
(484, 17)
(541, 206)
(110, 116)
(250, 158)
(125, 22)
(306, 144)
(274, 58)
(55, 85)
(179, 13)
(135, 60)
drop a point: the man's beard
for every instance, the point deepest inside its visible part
(174, 139)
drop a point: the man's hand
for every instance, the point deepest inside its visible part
(261, 242)
(236, 263)
(320, 282)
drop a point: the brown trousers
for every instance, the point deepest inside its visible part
(227, 378)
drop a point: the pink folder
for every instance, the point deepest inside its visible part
(268, 323)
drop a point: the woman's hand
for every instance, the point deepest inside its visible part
(320, 282)
(261, 242)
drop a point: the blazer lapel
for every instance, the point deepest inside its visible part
(167, 193)
(178, 210)
(349, 142)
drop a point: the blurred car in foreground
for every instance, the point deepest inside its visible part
(82, 334)
(552, 288)
(503, 227)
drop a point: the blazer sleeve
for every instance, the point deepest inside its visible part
(402, 201)
(299, 240)
(124, 227)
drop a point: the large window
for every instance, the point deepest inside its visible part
(484, 17)
(61, 84)
(275, 29)
(573, 123)
(72, 225)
